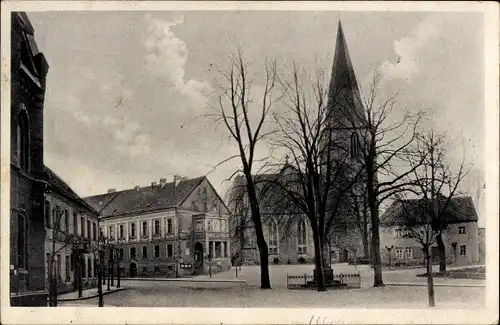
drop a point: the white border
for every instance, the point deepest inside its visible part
(264, 316)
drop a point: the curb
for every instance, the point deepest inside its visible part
(184, 280)
(435, 285)
(93, 296)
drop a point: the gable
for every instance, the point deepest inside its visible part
(204, 198)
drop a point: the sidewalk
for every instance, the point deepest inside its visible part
(87, 294)
(202, 278)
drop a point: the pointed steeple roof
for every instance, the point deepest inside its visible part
(344, 99)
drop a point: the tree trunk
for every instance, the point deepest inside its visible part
(442, 252)
(377, 262)
(366, 245)
(430, 281)
(318, 260)
(265, 282)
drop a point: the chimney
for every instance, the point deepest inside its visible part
(112, 190)
(137, 188)
(177, 179)
(153, 185)
(163, 181)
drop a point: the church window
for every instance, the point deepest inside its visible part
(354, 145)
(273, 237)
(301, 237)
(23, 150)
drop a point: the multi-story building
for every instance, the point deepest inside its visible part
(287, 231)
(27, 233)
(460, 237)
(166, 229)
(71, 225)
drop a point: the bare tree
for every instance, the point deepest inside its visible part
(235, 112)
(320, 173)
(438, 180)
(383, 140)
(358, 203)
(59, 235)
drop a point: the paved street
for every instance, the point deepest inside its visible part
(205, 294)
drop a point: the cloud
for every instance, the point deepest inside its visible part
(407, 50)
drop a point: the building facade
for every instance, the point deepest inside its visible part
(70, 224)
(460, 238)
(27, 233)
(167, 229)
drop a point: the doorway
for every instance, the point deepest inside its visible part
(198, 258)
(345, 256)
(133, 270)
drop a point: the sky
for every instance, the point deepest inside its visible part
(127, 91)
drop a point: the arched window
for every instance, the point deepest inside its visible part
(301, 237)
(23, 141)
(354, 145)
(273, 237)
(21, 241)
(205, 200)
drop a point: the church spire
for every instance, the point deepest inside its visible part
(344, 99)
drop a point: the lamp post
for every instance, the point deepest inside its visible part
(209, 258)
(389, 248)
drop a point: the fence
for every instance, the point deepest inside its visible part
(350, 280)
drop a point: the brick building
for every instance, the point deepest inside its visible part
(287, 232)
(460, 238)
(166, 229)
(27, 233)
(74, 224)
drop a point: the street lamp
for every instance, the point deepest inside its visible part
(389, 248)
(209, 258)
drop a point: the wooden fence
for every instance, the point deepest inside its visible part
(350, 280)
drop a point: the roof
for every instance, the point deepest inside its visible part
(58, 185)
(344, 99)
(144, 199)
(410, 212)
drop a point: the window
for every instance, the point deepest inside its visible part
(225, 249)
(273, 237)
(218, 249)
(157, 251)
(56, 218)
(461, 230)
(21, 241)
(101, 231)
(132, 253)
(301, 236)
(23, 134)
(205, 200)
(199, 226)
(463, 250)
(170, 250)
(66, 220)
(144, 252)
(216, 225)
(408, 253)
(401, 232)
(122, 232)
(89, 267)
(47, 214)
(120, 253)
(169, 226)
(89, 229)
(222, 225)
(111, 232)
(399, 253)
(209, 225)
(75, 224)
(157, 227)
(132, 230)
(144, 270)
(94, 231)
(157, 269)
(354, 145)
(144, 228)
(82, 227)
(67, 266)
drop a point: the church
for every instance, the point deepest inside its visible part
(287, 232)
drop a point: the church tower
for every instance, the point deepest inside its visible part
(345, 119)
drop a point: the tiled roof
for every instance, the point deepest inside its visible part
(57, 184)
(409, 212)
(144, 199)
